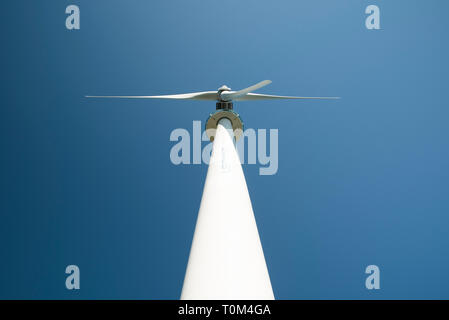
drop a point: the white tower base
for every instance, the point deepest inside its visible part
(226, 258)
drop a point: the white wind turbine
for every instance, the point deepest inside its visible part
(226, 258)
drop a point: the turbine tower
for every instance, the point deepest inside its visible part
(226, 259)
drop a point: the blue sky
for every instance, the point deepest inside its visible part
(363, 180)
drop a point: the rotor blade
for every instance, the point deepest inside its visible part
(205, 95)
(231, 95)
(257, 96)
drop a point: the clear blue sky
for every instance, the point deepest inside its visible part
(364, 180)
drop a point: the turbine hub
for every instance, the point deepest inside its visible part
(220, 99)
(224, 88)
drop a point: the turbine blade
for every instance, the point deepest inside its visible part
(205, 95)
(231, 95)
(257, 96)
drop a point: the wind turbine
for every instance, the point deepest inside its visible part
(226, 258)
